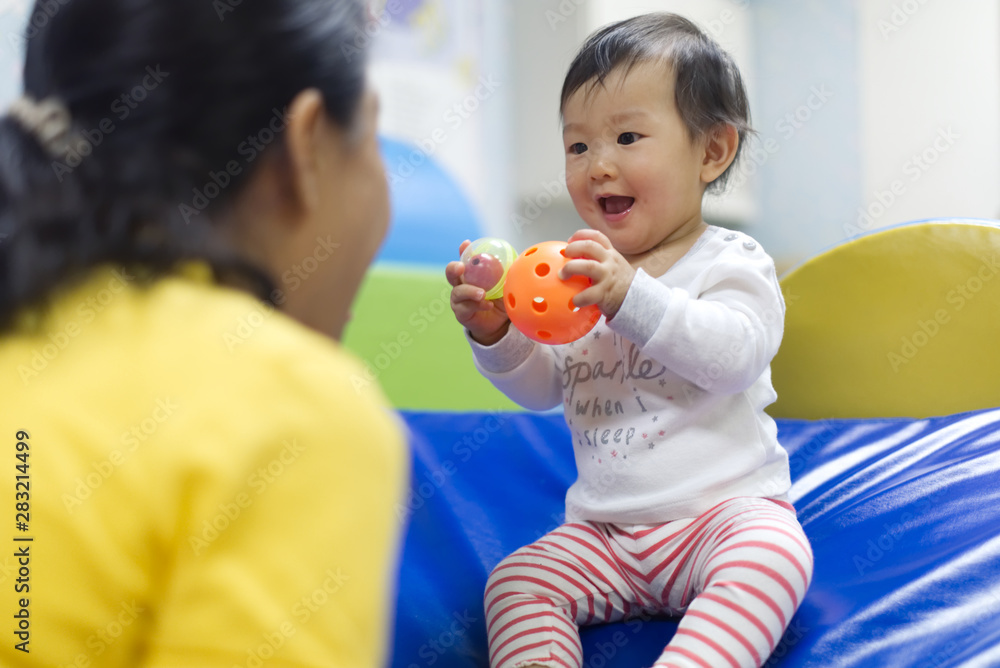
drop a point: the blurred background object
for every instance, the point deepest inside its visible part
(869, 113)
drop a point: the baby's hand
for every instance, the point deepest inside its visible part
(485, 319)
(610, 273)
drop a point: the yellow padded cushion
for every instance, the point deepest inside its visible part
(902, 322)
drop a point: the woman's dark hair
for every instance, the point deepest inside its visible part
(709, 89)
(171, 104)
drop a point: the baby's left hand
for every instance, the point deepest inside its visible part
(593, 256)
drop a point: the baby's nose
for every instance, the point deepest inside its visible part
(602, 167)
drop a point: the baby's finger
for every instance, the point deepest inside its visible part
(589, 234)
(582, 267)
(588, 296)
(586, 248)
(453, 272)
(465, 292)
(462, 246)
(490, 304)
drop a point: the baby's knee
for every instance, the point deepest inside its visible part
(520, 576)
(513, 575)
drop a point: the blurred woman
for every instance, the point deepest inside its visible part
(190, 193)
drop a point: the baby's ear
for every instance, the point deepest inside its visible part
(720, 144)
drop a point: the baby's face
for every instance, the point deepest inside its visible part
(632, 169)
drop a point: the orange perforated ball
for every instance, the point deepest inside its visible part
(539, 303)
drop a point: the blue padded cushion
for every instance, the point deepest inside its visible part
(902, 515)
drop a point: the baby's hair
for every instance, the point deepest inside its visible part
(709, 87)
(176, 100)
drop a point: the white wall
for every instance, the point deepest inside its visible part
(807, 112)
(544, 36)
(13, 18)
(912, 129)
(930, 82)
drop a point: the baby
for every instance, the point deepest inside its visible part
(680, 505)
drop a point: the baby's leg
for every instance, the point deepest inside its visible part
(752, 572)
(537, 597)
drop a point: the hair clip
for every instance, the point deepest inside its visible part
(49, 121)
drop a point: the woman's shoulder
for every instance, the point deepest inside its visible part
(117, 335)
(196, 375)
(215, 329)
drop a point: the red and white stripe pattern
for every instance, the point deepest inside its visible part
(738, 573)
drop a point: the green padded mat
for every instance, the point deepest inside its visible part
(404, 331)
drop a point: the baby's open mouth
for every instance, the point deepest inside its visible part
(616, 204)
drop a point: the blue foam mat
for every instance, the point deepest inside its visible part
(902, 516)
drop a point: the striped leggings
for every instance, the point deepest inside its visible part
(737, 573)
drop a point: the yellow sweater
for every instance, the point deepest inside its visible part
(200, 485)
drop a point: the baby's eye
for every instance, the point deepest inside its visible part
(578, 148)
(627, 138)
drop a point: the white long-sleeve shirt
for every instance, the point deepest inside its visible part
(666, 401)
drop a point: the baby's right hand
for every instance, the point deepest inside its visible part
(485, 319)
